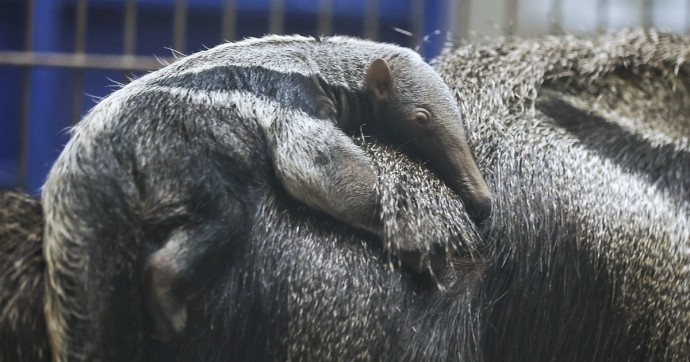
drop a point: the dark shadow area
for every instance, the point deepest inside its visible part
(630, 151)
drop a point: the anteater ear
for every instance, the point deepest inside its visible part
(379, 79)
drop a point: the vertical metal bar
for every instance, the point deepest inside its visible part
(687, 17)
(417, 20)
(180, 26)
(511, 17)
(26, 101)
(602, 15)
(229, 20)
(277, 17)
(555, 17)
(80, 16)
(79, 48)
(43, 139)
(647, 13)
(130, 28)
(129, 35)
(461, 19)
(325, 26)
(371, 19)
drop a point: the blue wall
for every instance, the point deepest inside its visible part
(51, 98)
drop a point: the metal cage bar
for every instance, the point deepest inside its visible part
(83, 61)
(461, 19)
(556, 17)
(26, 99)
(602, 15)
(510, 20)
(180, 26)
(36, 52)
(277, 17)
(130, 28)
(229, 20)
(371, 20)
(81, 12)
(325, 21)
(647, 13)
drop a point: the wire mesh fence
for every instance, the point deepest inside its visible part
(58, 57)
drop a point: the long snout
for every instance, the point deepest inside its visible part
(474, 191)
(459, 170)
(477, 201)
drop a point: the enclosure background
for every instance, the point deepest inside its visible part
(58, 57)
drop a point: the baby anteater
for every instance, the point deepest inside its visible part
(170, 164)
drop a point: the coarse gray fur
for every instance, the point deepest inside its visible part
(22, 325)
(586, 261)
(585, 141)
(269, 306)
(166, 174)
(585, 258)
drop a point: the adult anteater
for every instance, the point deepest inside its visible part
(585, 144)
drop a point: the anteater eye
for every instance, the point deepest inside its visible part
(421, 116)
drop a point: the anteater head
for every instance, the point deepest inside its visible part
(413, 104)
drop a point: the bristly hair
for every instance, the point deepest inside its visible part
(585, 257)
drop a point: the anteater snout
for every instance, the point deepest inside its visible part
(479, 209)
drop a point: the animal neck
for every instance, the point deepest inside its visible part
(353, 108)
